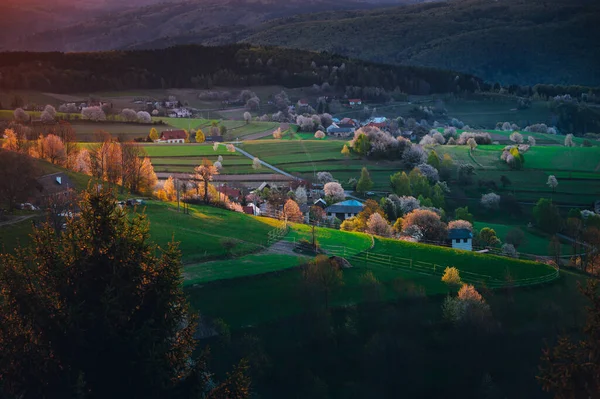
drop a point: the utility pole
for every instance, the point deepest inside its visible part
(177, 185)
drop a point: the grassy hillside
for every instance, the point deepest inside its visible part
(474, 36)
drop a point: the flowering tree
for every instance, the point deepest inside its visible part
(468, 307)
(569, 141)
(144, 117)
(253, 104)
(256, 164)
(460, 224)
(129, 115)
(46, 117)
(334, 191)
(325, 177)
(429, 172)
(277, 134)
(552, 182)
(21, 115)
(292, 212)
(83, 162)
(490, 201)
(300, 195)
(377, 225)
(472, 143)
(53, 149)
(531, 141)
(509, 250)
(218, 165)
(230, 148)
(429, 222)
(439, 138)
(93, 114)
(247, 117)
(215, 146)
(413, 156)
(204, 173)
(516, 137)
(319, 135)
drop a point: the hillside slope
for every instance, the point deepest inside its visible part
(177, 22)
(511, 41)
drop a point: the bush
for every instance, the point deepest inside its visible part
(451, 276)
(480, 138)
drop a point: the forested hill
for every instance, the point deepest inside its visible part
(204, 67)
(508, 41)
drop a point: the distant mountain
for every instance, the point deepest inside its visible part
(174, 22)
(509, 41)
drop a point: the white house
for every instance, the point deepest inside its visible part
(172, 136)
(461, 239)
(180, 113)
(354, 102)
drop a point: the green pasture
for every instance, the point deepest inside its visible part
(355, 242)
(485, 114)
(536, 243)
(186, 150)
(202, 231)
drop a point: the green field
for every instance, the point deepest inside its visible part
(201, 232)
(329, 238)
(535, 242)
(239, 267)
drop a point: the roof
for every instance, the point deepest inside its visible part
(303, 101)
(350, 206)
(248, 210)
(354, 100)
(229, 191)
(381, 119)
(347, 121)
(54, 183)
(454, 234)
(341, 130)
(173, 135)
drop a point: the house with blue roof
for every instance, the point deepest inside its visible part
(345, 209)
(461, 239)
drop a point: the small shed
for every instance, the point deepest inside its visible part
(461, 239)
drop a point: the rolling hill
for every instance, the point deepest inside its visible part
(175, 22)
(510, 41)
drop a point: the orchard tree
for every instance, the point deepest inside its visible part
(334, 191)
(377, 225)
(490, 201)
(277, 134)
(552, 182)
(325, 177)
(21, 116)
(516, 137)
(256, 165)
(129, 115)
(531, 141)
(83, 311)
(204, 174)
(428, 222)
(364, 183)
(300, 195)
(515, 237)
(569, 141)
(153, 134)
(53, 149)
(472, 143)
(291, 211)
(200, 138)
(460, 224)
(95, 114)
(319, 135)
(247, 117)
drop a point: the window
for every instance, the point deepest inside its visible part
(465, 240)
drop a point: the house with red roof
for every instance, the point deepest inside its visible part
(172, 136)
(354, 102)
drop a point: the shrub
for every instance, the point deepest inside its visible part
(509, 250)
(480, 138)
(490, 201)
(319, 135)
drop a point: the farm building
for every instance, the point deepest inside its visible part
(251, 209)
(339, 131)
(345, 210)
(233, 193)
(55, 185)
(353, 102)
(461, 239)
(172, 136)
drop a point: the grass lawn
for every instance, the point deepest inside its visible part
(202, 231)
(535, 243)
(355, 242)
(186, 150)
(15, 234)
(239, 267)
(184, 123)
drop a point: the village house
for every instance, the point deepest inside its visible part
(172, 136)
(180, 113)
(251, 209)
(232, 193)
(345, 210)
(354, 102)
(461, 239)
(339, 131)
(56, 185)
(380, 123)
